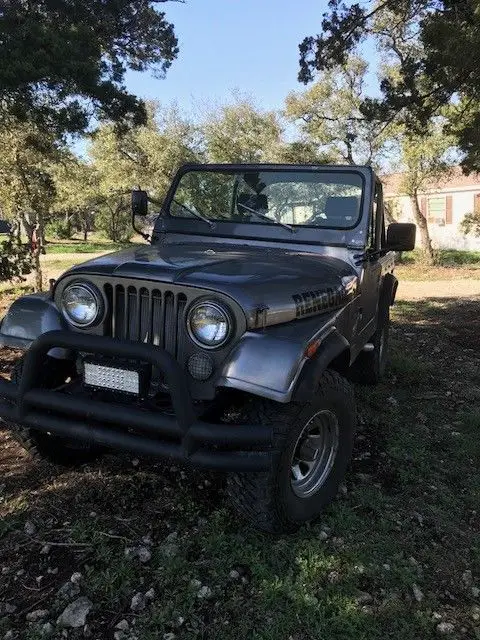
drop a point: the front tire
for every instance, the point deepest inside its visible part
(44, 446)
(312, 449)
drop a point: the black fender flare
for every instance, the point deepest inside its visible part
(334, 347)
(387, 297)
(28, 318)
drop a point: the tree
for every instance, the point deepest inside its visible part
(76, 196)
(15, 259)
(147, 156)
(437, 65)
(27, 188)
(426, 161)
(240, 132)
(329, 115)
(63, 61)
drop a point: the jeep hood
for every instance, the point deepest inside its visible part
(272, 285)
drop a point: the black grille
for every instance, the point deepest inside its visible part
(149, 315)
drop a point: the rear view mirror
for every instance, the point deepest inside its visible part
(401, 236)
(139, 203)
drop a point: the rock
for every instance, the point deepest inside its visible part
(142, 553)
(323, 535)
(119, 635)
(29, 528)
(47, 629)
(204, 593)
(135, 462)
(363, 598)
(45, 550)
(467, 578)
(9, 635)
(169, 636)
(53, 571)
(68, 591)
(196, 584)
(475, 592)
(122, 625)
(36, 616)
(234, 574)
(6, 608)
(417, 593)
(169, 550)
(76, 578)
(87, 632)
(386, 566)
(150, 594)
(75, 614)
(393, 402)
(138, 602)
(334, 577)
(445, 628)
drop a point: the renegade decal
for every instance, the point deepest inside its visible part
(310, 302)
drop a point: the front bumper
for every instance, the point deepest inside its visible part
(180, 437)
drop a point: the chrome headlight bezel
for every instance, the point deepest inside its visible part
(219, 308)
(94, 292)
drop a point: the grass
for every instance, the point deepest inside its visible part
(84, 247)
(450, 265)
(409, 519)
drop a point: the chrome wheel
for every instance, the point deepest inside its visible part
(314, 454)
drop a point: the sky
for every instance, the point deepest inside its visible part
(250, 46)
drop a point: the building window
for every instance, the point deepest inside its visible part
(437, 210)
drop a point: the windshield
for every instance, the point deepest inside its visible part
(329, 199)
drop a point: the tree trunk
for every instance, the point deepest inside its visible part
(421, 223)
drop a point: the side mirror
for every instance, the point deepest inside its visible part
(139, 203)
(401, 236)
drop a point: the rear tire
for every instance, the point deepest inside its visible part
(305, 475)
(43, 446)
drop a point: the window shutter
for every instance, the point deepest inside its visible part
(476, 202)
(448, 210)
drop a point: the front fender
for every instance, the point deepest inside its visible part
(28, 318)
(272, 364)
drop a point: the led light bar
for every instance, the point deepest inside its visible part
(113, 378)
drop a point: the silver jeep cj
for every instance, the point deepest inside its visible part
(227, 342)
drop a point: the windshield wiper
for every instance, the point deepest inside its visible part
(195, 213)
(264, 217)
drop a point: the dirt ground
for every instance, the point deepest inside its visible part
(442, 289)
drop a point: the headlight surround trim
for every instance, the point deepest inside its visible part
(219, 307)
(96, 295)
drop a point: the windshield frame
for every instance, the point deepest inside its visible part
(271, 168)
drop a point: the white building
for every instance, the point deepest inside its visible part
(444, 205)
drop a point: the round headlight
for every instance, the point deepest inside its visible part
(209, 324)
(81, 304)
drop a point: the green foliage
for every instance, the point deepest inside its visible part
(471, 223)
(59, 229)
(113, 219)
(68, 59)
(15, 260)
(432, 44)
(240, 132)
(329, 115)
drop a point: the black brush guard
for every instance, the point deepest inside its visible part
(181, 437)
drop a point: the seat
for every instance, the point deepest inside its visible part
(341, 211)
